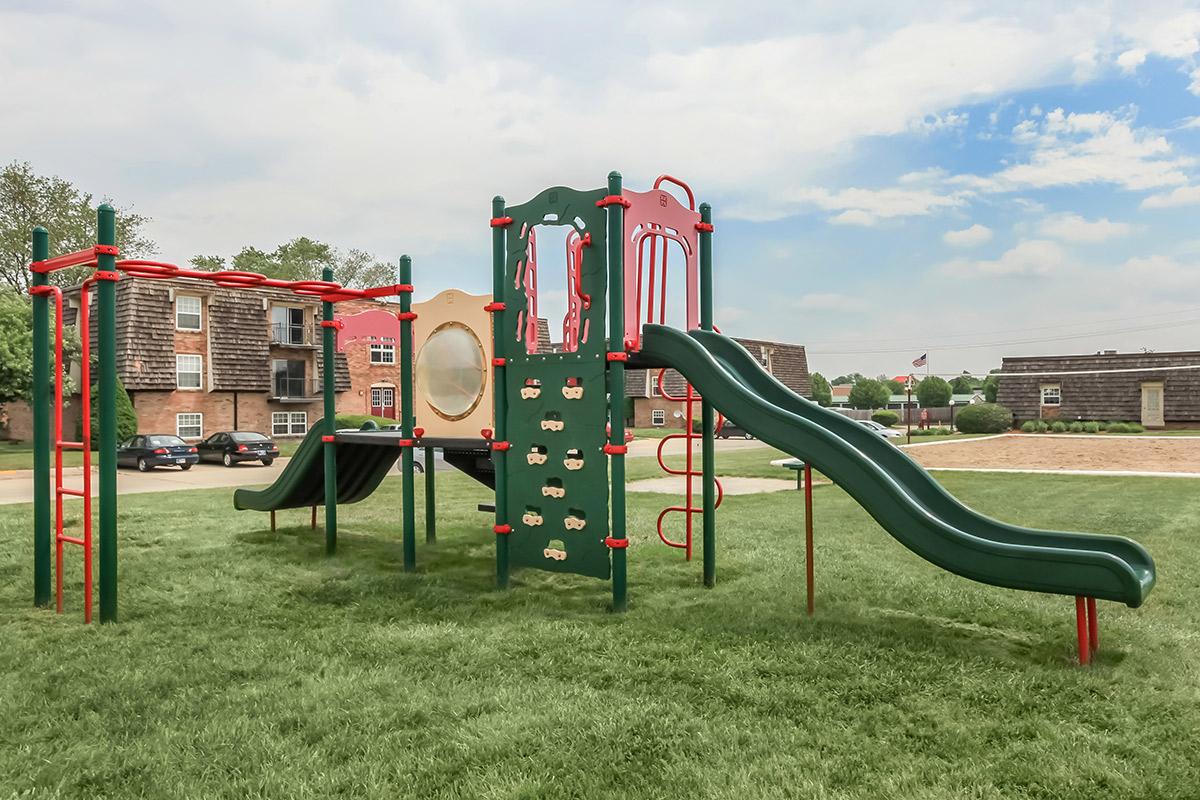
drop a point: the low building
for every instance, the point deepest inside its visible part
(1159, 390)
(651, 409)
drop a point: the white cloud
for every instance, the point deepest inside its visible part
(940, 123)
(1031, 257)
(854, 216)
(1183, 196)
(859, 206)
(968, 237)
(1161, 274)
(831, 301)
(1074, 228)
(1130, 60)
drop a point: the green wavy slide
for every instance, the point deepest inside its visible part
(360, 469)
(902, 497)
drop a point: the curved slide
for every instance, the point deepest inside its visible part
(360, 469)
(902, 497)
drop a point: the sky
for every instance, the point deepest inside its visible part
(970, 180)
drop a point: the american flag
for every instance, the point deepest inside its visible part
(921, 360)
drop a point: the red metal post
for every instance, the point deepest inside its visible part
(1081, 631)
(808, 535)
(1093, 625)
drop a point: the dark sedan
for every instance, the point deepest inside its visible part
(156, 450)
(234, 447)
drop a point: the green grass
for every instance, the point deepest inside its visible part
(20, 456)
(655, 433)
(249, 664)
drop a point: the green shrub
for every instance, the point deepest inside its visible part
(1091, 427)
(1029, 426)
(127, 423)
(1101, 426)
(357, 420)
(1075, 427)
(1135, 427)
(1058, 426)
(942, 432)
(885, 417)
(922, 431)
(984, 418)
(1118, 427)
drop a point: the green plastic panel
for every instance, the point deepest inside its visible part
(901, 497)
(557, 486)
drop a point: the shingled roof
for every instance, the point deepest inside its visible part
(1104, 395)
(788, 363)
(341, 372)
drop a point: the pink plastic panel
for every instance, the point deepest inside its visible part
(526, 276)
(654, 222)
(367, 326)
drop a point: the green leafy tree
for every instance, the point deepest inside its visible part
(28, 199)
(894, 386)
(963, 384)
(852, 378)
(16, 348)
(991, 386)
(869, 393)
(127, 424)
(933, 392)
(822, 393)
(304, 259)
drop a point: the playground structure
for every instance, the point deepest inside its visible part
(545, 428)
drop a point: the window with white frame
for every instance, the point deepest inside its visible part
(658, 417)
(652, 376)
(289, 423)
(188, 369)
(189, 425)
(187, 312)
(1051, 394)
(383, 354)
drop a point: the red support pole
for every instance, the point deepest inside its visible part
(808, 536)
(1093, 625)
(1081, 631)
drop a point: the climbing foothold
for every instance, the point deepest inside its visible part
(573, 463)
(532, 519)
(573, 392)
(531, 392)
(553, 425)
(557, 555)
(554, 491)
(574, 523)
(536, 457)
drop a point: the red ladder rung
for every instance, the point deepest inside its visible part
(71, 539)
(71, 492)
(72, 445)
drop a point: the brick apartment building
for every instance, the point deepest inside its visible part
(196, 358)
(787, 362)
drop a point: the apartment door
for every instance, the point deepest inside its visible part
(1152, 405)
(383, 401)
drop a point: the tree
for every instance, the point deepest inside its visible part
(933, 392)
(991, 386)
(16, 348)
(304, 259)
(894, 386)
(963, 384)
(821, 391)
(852, 378)
(869, 393)
(127, 424)
(28, 199)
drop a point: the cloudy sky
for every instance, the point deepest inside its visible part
(887, 179)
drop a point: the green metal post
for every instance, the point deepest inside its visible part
(106, 299)
(616, 386)
(407, 420)
(430, 498)
(328, 371)
(499, 395)
(708, 454)
(41, 426)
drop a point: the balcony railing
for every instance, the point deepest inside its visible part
(287, 335)
(295, 390)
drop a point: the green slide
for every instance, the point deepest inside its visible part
(360, 469)
(894, 489)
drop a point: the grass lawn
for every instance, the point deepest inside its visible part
(655, 433)
(20, 456)
(249, 664)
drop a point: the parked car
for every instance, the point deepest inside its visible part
(156, 450)
(234, 447)
(732, 429)
(882, 430)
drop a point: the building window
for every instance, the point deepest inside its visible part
(653, 378)
(189, 426)
(658, 417)
(289, 423)
(383, 354)
(1051, 394)
(288, 378)
(187, 371)
(287, 325)
(187, 312)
